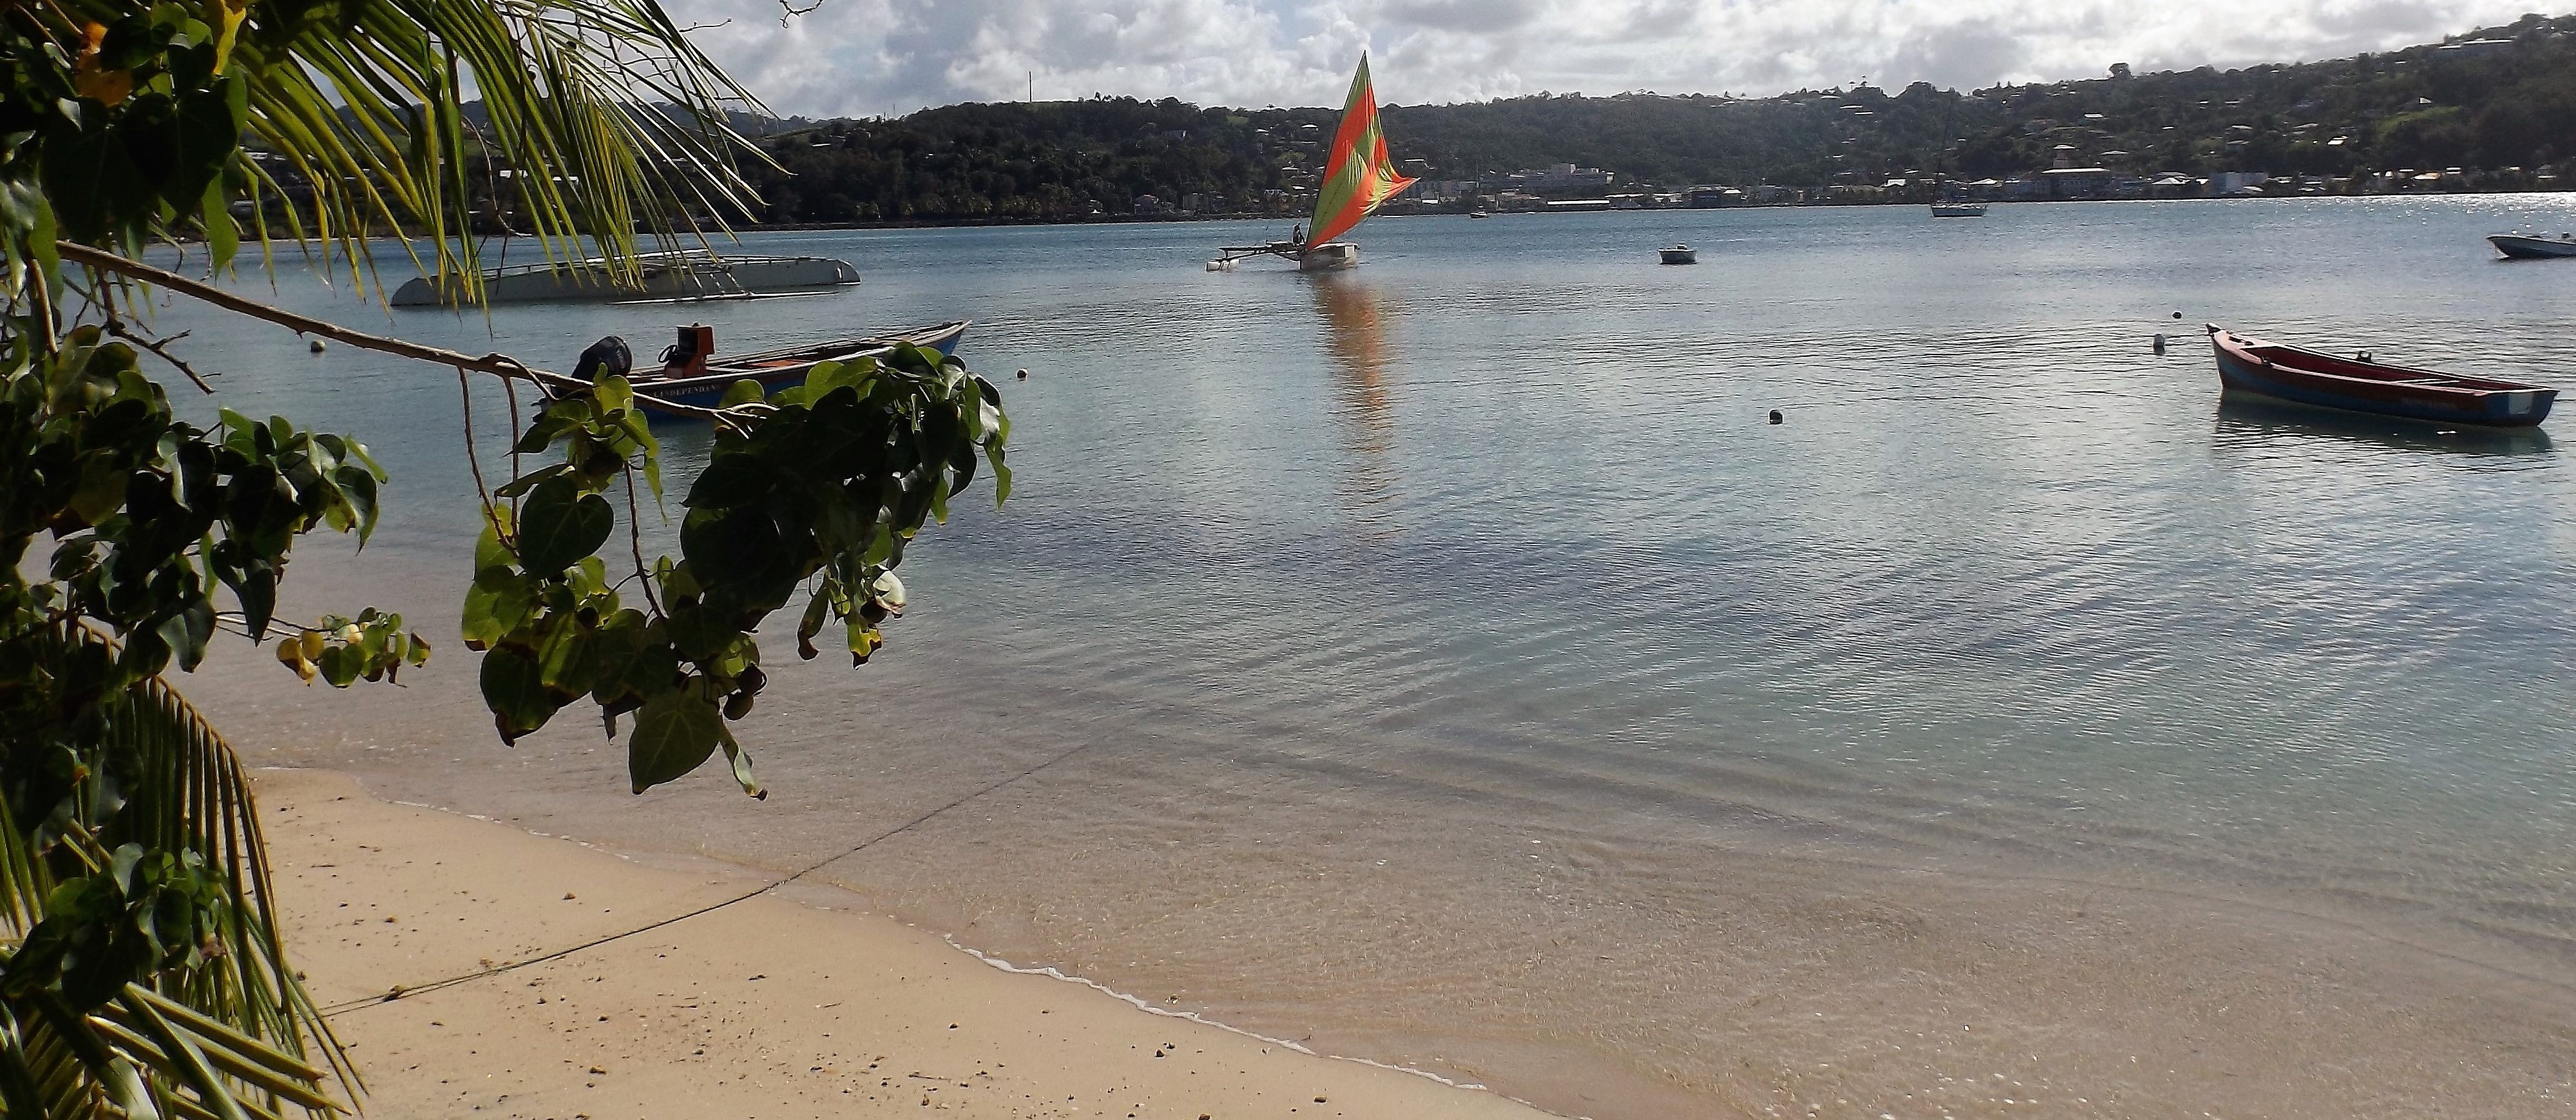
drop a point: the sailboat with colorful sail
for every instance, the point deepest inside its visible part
(1358, 178)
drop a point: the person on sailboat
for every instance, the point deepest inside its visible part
(1297, 234)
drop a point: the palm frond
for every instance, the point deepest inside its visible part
(371, 118)
(235, 1037)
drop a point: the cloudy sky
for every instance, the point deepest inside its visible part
(869, 57)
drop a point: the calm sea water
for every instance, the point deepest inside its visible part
(1447, 663)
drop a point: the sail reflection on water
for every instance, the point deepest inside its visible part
(1355, 340)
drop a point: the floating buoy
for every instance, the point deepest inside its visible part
(317, 346)
(1024, 375)
(2177, 314)
(2160, 342)
(1775, 416)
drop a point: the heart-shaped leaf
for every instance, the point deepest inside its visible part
(674, 734)
(558, 525)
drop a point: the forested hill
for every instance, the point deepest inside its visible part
(2492, 99)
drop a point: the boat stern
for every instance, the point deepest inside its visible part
(2520, 408)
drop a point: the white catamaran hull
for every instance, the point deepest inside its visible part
(665, 276)
(1331, 257)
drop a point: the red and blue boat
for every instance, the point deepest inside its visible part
(702, 380)
(2358, 384)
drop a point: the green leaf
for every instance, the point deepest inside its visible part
(529, 481)
(223, 238)
(515, 690)
(674, 734)
(741, 760)
(102, 488)
(558, 525)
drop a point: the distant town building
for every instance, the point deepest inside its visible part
(1562, 179)
(2237, 182)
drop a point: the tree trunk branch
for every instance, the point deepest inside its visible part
(501, 365)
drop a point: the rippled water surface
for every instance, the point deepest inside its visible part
(1446, 662)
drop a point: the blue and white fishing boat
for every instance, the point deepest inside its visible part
(689, 374)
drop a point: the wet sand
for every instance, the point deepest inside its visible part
(772, 1007)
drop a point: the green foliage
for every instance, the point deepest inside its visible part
(135, 133)
(150, 513)
(1056, 160)
(813, 491)
(141, 973)
(133, 876)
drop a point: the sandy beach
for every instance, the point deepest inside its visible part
(777, 1006)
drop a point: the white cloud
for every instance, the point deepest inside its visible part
(866, 57)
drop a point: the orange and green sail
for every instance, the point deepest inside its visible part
(1359, 175)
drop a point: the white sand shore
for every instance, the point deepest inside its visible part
(772, 1007)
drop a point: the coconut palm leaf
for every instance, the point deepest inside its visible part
(233, 1035)
(601, 119)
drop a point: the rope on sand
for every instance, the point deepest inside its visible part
(402, 991)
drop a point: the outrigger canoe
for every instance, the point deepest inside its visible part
(775, 369)
(2358, 384)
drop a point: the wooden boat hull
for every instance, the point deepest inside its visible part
(775, 369)
(2325, 381)
(666, 276)
(2520, 247)
(1679, 256)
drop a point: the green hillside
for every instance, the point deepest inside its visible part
(2498, 103)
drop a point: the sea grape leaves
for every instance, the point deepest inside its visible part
(811, 490)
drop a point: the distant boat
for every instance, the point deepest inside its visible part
(2523, 246)
(1958, 209)
(1358, 178)
(1680, 254)
(688, 376)
(1478, 214)
(686, 275)
(2358, 384)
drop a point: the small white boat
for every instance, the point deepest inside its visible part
(687, 275)
(2525, 246)
(1679, 254)
(1958, 209)
(1478, 214)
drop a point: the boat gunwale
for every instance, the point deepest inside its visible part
(2252, 350)
(736, 368)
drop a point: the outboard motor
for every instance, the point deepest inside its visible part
(607, 357)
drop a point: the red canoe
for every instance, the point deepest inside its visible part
(2361, 385)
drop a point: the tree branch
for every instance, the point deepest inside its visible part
(501, 365)
(159, 346)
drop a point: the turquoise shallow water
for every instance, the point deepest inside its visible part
(1488, 544)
